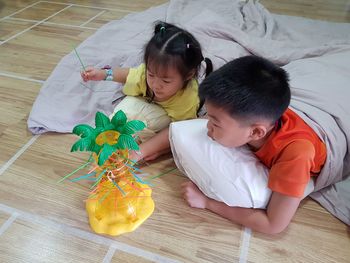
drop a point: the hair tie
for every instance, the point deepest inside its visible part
(188, 46)
(162, 30)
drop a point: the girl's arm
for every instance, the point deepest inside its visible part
(273, 220)
(119, 74)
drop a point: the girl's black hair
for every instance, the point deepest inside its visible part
(171, 45)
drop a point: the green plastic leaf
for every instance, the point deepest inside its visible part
(102, 121)
(97, 148)
(98, 130)
(83, 130)
(91, 147)
(126, 141)
(119, 120)
(84, 144)
(133, 126)
(106, 152)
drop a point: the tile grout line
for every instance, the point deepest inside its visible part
(110, 254)
(50, 23)
(67, 25)
(92, 237)
(92, 18)
(8, 223)
(92, 7)
(21, 78)
(18, 154)
(38, 23)
(244, 248)
(3, 18)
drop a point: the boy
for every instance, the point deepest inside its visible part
(247, 103)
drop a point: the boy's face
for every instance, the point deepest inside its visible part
(225, 130)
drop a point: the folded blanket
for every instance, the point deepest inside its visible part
(227, 29)
(320, 95)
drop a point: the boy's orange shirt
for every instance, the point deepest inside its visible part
(293, 153)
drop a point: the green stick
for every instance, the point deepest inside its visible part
(81, 62)
(76, 170)
(161, 174)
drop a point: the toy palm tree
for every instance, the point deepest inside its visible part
(115, 205)
(108, 136)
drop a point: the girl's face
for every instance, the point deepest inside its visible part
(164, 82)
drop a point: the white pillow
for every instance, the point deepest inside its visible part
(230, 175)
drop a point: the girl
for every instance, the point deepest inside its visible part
(164, 88)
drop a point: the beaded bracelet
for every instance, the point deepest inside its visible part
(109, 74)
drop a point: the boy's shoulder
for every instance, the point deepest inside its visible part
(293, 153)
(293, 138)
(290, 127)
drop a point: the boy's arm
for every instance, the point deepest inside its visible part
(273, 220)
(154, 147)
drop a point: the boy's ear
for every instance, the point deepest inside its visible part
(258, 131)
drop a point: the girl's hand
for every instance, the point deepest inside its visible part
(193, 196)
(135, 156)
(93, 74)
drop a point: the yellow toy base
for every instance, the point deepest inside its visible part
(118, 214)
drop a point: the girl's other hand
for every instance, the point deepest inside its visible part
(91, 73)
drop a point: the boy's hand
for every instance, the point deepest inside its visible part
(91, 73)
(193, 196)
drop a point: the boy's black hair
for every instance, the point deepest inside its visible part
(248, 88)
(174, 46)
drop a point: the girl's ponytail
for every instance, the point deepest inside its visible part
(208, 70)
(158, 27)
(208, 66)
(162, 27)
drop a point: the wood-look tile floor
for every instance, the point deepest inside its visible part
(42, 221)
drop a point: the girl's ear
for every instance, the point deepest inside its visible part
(191, 74)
